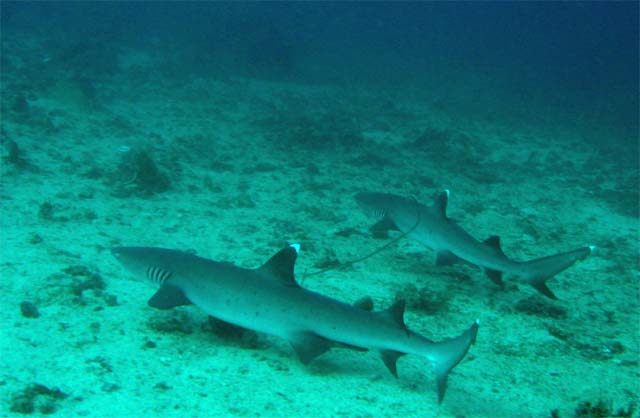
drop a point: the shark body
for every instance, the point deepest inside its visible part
(268, 299)
(430, 226)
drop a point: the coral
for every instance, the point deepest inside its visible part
(29, 310)
(138, 172)
(36, 396)
(601, 409)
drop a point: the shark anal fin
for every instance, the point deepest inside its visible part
(365, 303)
(446, 258)
(390, 357)
(495, 276)
(308, 346)
(280, 266)
(167, 297)
(542, 269)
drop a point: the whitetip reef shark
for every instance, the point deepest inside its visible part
(270, 300)
(430, 226)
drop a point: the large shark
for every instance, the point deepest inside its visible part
(268, 299)
(430, 226)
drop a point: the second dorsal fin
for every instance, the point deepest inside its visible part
(395, 313)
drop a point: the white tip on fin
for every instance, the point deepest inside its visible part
(295, 247)
(592, 248)
(447, 192)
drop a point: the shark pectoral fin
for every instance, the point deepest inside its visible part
(308, 346)
(381, 228)
(390, 357)
(167, 297)
(365, 303)
(495, 276)
(446, 258)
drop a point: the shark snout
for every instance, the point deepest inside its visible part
(117, 253)
(373, 204)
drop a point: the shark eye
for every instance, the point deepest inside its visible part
(158, 275)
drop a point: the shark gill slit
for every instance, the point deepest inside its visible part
(158, 275)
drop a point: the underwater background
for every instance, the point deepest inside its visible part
(232, 129)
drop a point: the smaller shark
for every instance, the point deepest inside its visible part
(270, 300)
(430, 226)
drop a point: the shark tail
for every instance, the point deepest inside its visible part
(538, 271)
(445, 355)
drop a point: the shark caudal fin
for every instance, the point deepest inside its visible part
(538, 271)
(445, 355)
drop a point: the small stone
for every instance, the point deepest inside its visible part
(150, 344)
(110, 387)
(29, 310)
(35, 239)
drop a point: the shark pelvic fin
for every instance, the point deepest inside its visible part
(308, 346)
(495, 276)
(167, 297)
(390, 357)
(446, 258)
(280, 266)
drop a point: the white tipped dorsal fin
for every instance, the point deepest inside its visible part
(280, 266)
(441, 202)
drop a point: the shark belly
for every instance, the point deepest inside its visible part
(252, 305)
(288, 312)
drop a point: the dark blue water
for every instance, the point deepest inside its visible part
(571, 63)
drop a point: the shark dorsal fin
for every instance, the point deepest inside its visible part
(495, 275)
(440, 204)
(280, 266)
(395, 313)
